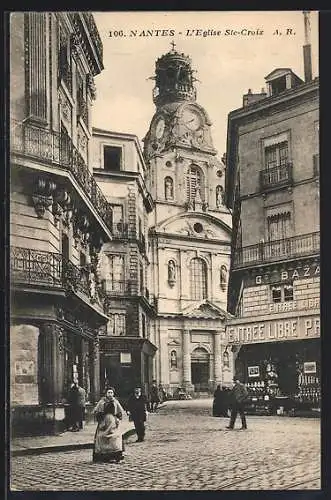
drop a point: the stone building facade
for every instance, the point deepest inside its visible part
(59, 216)
(272, 187)
(190, 234)
(127, 345)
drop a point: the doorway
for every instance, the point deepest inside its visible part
(200, 369)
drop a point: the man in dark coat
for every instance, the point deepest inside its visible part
(137, 411)
(154, 397)
(238, 397)
(77, 402)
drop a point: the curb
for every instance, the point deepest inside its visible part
(61, 447)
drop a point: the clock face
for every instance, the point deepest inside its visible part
(159, 129)
(191, 119)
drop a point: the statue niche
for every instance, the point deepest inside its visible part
(171, 273)
(223, 277)
(220, 196)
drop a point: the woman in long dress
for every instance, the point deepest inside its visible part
(108, 442)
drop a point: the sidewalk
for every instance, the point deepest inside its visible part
(61, 442)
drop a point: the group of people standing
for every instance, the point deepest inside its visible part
(231, 401)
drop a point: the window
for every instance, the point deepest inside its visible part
(198, 279)
(194, 184)
(112, 158)
(278, 85)
(116, 273)
(141, 271)
(64, 61)
(143, 325)
(117, 219)
(276, 155)
(168, 188)
(117, 324)
(65, 246)
(282, 293)
(82, 110)
(279, 226)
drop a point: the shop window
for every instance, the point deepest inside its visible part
(282, 293)
(112, 158)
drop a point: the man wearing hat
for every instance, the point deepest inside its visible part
(137, 411)
(238, 397)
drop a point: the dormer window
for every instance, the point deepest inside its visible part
(278, 85)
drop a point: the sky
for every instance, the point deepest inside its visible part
(227, 65)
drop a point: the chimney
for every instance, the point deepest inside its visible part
(307, 48)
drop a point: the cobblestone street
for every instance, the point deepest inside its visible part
(187, 449)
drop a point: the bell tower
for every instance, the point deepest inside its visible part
(174, 80)
(189, 232)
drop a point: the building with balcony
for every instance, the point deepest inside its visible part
(272, 188)
(127, 346)
(59, 216)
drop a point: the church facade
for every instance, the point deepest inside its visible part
(189, 234)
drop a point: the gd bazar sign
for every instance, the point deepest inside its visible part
(272, 331)
(277, 276)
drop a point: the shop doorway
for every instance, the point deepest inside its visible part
(200, 369)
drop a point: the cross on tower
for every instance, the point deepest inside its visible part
(173, 45)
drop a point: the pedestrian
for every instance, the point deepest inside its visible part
(108, 440)
(239, 395)
(220, 403)
(77, 402)
(154, 397)
(162, 394)
(137, 411)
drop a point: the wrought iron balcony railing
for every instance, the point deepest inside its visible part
(297, 246)
(58, 149)
(276, 176)
(36, 267)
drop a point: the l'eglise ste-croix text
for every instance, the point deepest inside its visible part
(138, 33)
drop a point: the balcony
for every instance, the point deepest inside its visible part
(298, 246)
(47, 269)
(276, 177)
(54, 148)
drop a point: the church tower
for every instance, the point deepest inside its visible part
(190, 234)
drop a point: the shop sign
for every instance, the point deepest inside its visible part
(274, 331)
(279, 275)
(295, 305)
(253, 371)
(309, 367)
(25, 372)
(125, 357)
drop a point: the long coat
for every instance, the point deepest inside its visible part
(137, 407)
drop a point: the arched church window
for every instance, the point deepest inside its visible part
(195, 184)
(168, 188)
(198, 279)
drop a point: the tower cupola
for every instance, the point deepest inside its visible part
(174, 80)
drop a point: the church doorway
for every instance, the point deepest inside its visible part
(200, 369)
